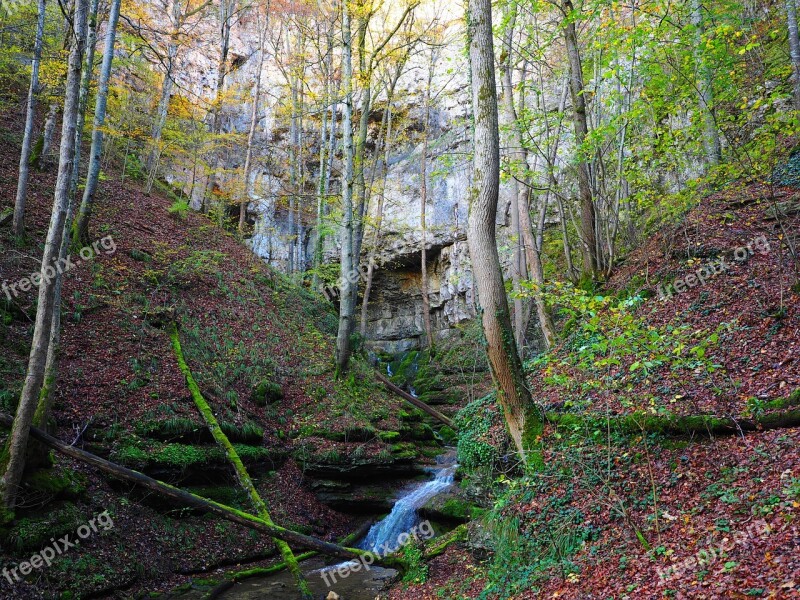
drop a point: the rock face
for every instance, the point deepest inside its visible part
(394, 317)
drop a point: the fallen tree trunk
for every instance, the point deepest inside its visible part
(226, 512)
(233, 457)
(674, 425)
(415, 401)
(238, 576)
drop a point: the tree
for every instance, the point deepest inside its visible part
(81, 233)
(794, 49)
(16, 445)
(705, 89)
(522, 416)
(423, 201)
(18, 225)
(348, 281)
(591, 262)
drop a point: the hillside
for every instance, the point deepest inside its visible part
(630, 492)
(260, 348)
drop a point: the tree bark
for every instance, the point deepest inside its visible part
(47, 136)
(415, 401)
(16, 444)
(96, 152)
(348, 282)
(83, 96)
(18, 224)
(705, 89)
(591, 260)
(522, 416)
(794, 50)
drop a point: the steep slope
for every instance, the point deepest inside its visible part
(633, 502)
(258, 344)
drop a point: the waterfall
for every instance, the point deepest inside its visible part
(403, 517)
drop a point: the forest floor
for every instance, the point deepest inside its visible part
(617, 513)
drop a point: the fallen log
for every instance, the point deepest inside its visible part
(415, 401)
(226, 512)
(674, 425)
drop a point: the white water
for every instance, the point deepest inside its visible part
(403, 518)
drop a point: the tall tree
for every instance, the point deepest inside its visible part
(81, 232)
(423, 202)
(588, 229)
(18, 225)
(262, 22)
(14, 453)
(522, 416)
(705, 88)
(794, 49)
(348, 281)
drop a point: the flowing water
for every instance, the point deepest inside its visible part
(358, 582)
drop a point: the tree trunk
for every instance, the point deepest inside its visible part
(415, 401)
(248, 161)
(705, 89)
(16, 444)
(83, 97)
(387, 126)
(423, 203)
(524, 421)
(349, 269)
(323, 130)
(47, 136)
(96, 152)
(794, 49)
(588, 216)
(166, 88)
(18, 225)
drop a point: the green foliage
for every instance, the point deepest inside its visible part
(179, 209)
(474, 422)
(614, 347)
(416, 571)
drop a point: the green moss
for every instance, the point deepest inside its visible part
(267, 392)
(389, 437)
(33, 533)
(66, 484)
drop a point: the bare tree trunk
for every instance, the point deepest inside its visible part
(82, 225)
(591, 261)
(16, 445)
(523, 418)
(423, 202)
(381, 199)
(705, 89)
(794, 49)
(248, 161)
(18, 225)
(349, 271)
(47, 136)
(83, 98)
(323, 130)
(166, 88)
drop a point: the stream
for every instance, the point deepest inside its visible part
(354, 580)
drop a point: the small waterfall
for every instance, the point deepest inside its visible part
(389, 370)
(403, 517)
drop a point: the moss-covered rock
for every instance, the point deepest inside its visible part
(267, 392)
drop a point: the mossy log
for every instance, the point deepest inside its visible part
(688, 425)
(415, 401)
(438, 545)
(233, 457)
(188, 499)
(238, 576)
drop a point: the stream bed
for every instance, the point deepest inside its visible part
(359, 582)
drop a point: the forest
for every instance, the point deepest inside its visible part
(369, 300)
